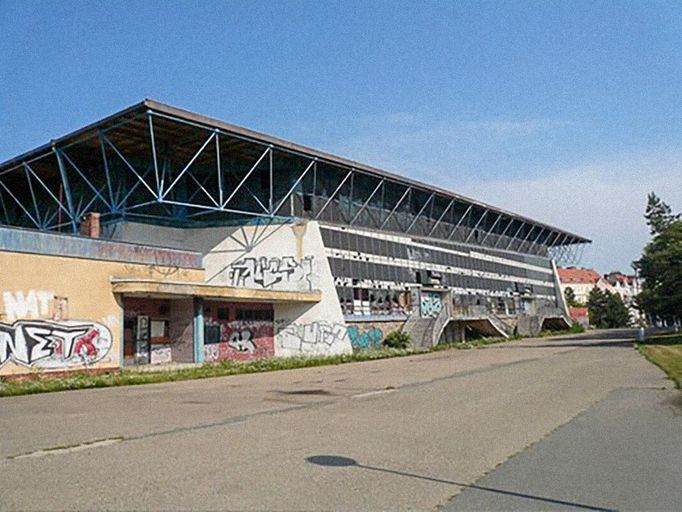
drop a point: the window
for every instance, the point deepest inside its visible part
(211, 334)
(263, 315)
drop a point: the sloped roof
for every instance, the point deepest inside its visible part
(578, 275)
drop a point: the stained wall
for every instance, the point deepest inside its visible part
(58, 313)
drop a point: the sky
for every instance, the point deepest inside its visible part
(567, 112)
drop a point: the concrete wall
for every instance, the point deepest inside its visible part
(370, 334)
(58, 313)
(276, 256)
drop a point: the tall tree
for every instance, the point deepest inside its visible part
(660, 267)
(658, 214)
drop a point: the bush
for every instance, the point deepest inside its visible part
(577, 328)
(397, 339)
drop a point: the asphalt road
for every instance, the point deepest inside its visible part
(624, 453)
(398, 434)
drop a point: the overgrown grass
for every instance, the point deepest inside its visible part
(574, 329)
(478, 342)
(43, 383)
(127, 377)
(665, 351)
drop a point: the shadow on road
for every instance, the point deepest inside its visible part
(335, 461)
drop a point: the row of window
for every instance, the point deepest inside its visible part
(364, 270)
(377, 302)
(369, 245)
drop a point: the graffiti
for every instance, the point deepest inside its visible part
(161, 355)
(212, 352)
(240, 339)
(270, 272)
(314, 337)
(142, 340)
(33, 304)
(430, 304)
(43, 344)
(370, 338)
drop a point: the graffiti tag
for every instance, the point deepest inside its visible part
(312, 337)
(33, 304)
(241, 341)
(370, 338)
(430, 304)
(270, 272)
(45, 344)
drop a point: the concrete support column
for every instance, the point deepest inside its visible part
(198, 330)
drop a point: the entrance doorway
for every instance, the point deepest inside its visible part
(157, 330)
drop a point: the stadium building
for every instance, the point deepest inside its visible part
(158, 235)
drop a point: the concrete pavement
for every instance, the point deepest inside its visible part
(398, 434)
(623, 453)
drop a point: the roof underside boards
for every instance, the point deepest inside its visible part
(170, 142)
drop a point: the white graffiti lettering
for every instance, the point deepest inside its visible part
(315, 337)
(33, 304)
(241, 341)
(274, 272)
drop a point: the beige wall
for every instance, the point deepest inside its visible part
(65, 293)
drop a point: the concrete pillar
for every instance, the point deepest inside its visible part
(198, 330)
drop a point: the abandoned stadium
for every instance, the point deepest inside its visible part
(158, 235)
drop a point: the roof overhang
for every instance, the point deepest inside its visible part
(161, 110)
(184, 289)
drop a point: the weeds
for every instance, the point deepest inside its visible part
(45, 383)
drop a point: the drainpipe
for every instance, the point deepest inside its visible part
(198, 330)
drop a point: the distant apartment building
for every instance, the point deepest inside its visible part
(583, 280)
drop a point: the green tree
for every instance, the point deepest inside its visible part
(617, 313)
(660, 268)
(658, 214)
(607, 310)
(596, 307)
(569, 294)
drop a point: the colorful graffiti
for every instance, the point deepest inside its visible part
(43, 344)
(241, 340)
(315, 337)
(430, 304)
(367, 339)
(274, 272)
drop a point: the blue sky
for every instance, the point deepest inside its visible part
(569, 112)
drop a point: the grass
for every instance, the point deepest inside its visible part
(127, 377)
(665, 352)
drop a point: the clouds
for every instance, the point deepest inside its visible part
(604, 201)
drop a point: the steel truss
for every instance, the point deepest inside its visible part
(183, 173)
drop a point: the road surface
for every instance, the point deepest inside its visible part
(400, 434)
